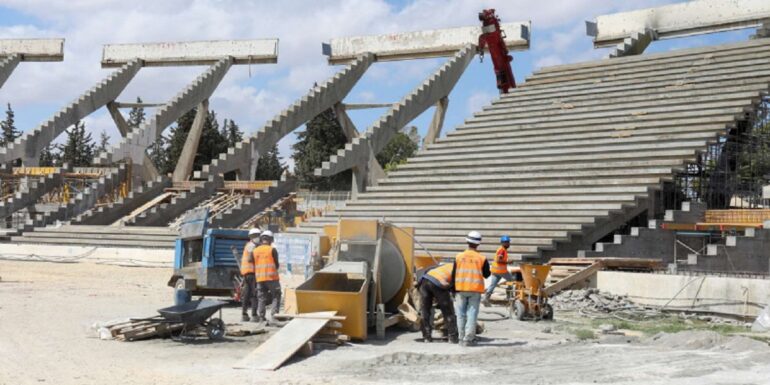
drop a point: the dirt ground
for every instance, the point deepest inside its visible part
(47, 309)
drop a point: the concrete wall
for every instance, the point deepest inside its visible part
(734, 296)
(128, 256)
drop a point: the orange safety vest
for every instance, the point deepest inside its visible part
(500, 265)
(443, 274)
(247, 259)
(264, 265)
(468, 271)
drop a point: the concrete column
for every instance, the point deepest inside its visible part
(437, 123)
(373, 172)
(7, 65)
(148, 171)
(184, 165)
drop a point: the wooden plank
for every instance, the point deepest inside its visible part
(573, 279)
(287, 341)
(144, 207)
(319, 315)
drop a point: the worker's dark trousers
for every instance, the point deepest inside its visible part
(269, 293)
(249, 294)
(429, 291)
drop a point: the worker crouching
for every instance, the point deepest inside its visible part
(436, 284)
(249, 288)
(499, 268)
(468, 273)
(266, 274)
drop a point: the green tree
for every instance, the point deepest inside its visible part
(404, 145)
(8, 127)
(104, 142)
(136, 116)
(269, 166)
(79, 148)
(50, 156)
(211, 144)
(321, 138)
(232, 132)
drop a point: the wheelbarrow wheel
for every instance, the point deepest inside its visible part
(548, 312)
(519, 310)
(215, 329)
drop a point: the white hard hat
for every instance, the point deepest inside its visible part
(267, 233)
(474, 237)
(254, 231)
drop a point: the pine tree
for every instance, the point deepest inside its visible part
(8, 127)
(158, 153)
(79, 148)
(232, 132)
(211, 144)
(50, 156)
(136, 116)
(269, 166)
(321, 138)
(104, 142)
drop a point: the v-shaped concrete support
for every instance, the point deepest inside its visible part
(430, 92)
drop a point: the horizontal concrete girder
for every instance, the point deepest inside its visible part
(33, 49)
(682, 19)
(420, 44)
(192, 52)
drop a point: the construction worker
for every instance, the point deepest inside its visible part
(499, 268)
(249, 287)
(468, 273)
(436, 284)
(266, 274)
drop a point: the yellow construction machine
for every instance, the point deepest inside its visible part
(526, 296)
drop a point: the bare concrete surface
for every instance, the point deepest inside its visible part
(47, 309)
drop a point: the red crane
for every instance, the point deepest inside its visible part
(493, 38)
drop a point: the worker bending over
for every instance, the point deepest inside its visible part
(499, 268)
(266, 274)
(436, 284)
(468, 273)
(249, 287)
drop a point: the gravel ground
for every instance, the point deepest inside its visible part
(46, 311)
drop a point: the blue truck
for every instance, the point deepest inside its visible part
(204, 260)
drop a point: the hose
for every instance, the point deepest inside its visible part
(502, 316)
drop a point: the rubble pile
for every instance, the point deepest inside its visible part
(592, 300)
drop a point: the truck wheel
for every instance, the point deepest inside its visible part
(215, 329)
(519, 310)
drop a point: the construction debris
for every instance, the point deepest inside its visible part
(136, 329)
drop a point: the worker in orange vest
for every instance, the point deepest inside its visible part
(468, 273)
(436, 284)
(249, 287)
(499, 268)
(266, 274)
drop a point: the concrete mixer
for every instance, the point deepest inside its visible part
(368, 273)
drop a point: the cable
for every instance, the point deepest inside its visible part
(413, 238)
(502, 315)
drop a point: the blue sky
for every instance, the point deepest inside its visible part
(253, 95)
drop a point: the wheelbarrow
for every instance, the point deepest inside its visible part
(197, 313)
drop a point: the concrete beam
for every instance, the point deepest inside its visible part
(681, 19)
(33, 49)
(184, 165)
(192, 52)
(420, 44)
(437, 123)
(137, 105)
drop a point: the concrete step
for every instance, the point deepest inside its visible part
(525, 216)
(502, 184)
(491, 157)
(513, 193)
(100, 230)
(608, 139)
(386, 207)
(117, 237)
(542, 173)
(495, 224)
(248, 207)
(95, 242)
(663, 58)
